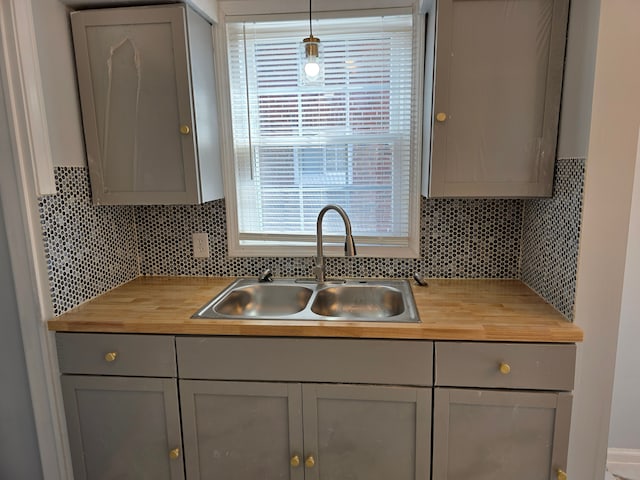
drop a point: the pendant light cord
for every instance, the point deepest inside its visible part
(310, 27)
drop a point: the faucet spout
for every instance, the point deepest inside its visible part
(349, 243)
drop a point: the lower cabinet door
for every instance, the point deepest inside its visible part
(489, 435)
(242, 430)
(123, 427)
(366, 432)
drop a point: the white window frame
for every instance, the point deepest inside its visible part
(270, 10)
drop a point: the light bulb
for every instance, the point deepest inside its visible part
(311, 68)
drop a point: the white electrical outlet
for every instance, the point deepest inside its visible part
(200, 245)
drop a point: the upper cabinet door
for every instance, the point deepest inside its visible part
(498, 81)
(135, 82)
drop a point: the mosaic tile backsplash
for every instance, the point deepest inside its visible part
(550, 240)
(91, 249)
(459, 239)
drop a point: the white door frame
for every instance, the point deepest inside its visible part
(26, 175)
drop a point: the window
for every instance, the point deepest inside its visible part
(348, 138)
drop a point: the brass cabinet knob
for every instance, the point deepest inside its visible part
(175, 453)
(295, 461)
(505, 368)
(562, 475)
(111, 356)
(441, 117)
(309, 461)
(184, 129)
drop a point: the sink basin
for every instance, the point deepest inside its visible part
(307, 300)
(264, 300)
(359, 301)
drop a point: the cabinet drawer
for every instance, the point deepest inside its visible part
(114, 354)
(386, 362)
(505, 365)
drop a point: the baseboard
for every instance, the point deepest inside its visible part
(624, 463)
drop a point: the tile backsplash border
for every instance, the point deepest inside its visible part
(91, 249)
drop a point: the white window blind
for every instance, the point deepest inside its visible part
(345, 138)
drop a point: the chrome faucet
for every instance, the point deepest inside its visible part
(349, 243)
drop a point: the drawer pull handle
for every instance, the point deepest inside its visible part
(505, 368)
(310, 461)
(184, 129)
(111, 356)
(441, 117)
(295, 461)
(175, 453)
(562, 475)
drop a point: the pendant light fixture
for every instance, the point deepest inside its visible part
(311, 45)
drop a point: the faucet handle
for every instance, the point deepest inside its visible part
(420, 280)
(266, 276)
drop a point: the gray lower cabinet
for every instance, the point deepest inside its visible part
(251, 430)
(501, 410)
(123, 427)
(247, 408)
(241, 430)
(485, 434)
(121, 402)
(367, 432)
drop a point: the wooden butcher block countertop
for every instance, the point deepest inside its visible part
(488, 310)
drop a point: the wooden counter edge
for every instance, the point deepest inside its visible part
(329, 329)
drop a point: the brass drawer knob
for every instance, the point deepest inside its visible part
(562, 475)
(175, 453)
(184, 129)
(310, 461)
(295, 461)
(505, 368)
(111, 356)
(441, 117)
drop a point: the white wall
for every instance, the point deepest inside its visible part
(55, 52)
(611, 160)
(625, 420)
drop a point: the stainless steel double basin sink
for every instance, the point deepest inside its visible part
(298, 299)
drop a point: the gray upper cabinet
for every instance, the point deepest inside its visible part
(497, 91)
(147, 90)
